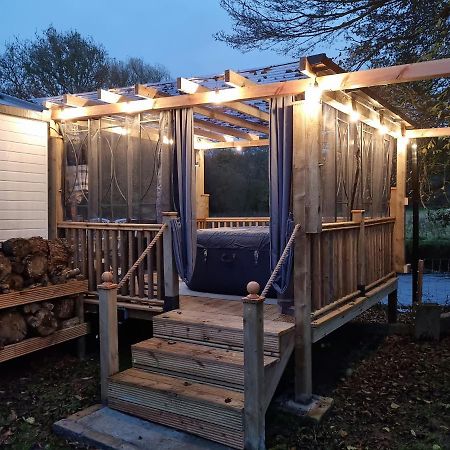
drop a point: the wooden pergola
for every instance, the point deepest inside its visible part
(230, 110)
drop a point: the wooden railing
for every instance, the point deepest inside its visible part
(348, 258)
(111, 247)
(220, 222)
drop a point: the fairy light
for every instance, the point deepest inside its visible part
(313, 94)
(354, 116)
(383, 129)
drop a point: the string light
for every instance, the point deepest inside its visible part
(167, 141)
(239, 148)
(313, 94)
(354, 116)
(383, 129)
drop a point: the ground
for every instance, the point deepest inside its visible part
(389, 392)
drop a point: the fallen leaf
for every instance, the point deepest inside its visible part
(394, 405)
(343, 434)
(413, 433)
(30, 420)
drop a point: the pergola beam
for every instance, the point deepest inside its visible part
(233, 144)
(77, 101)
(147, 91)
(230, 131)
(428, 133)
(112, 97)
(235, 79)
(151, 92)
(352, 80)
(190, 87)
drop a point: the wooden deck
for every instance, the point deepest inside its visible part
(228, 307)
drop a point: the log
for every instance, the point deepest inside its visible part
(42, 322)
(17, 247)
(13, 328)
(64, 308)
(60, 253)
(16, 282)
(38, 245)
(5, 268)
(17, 265)
(36, 266)
(69, 323)
(64, 274)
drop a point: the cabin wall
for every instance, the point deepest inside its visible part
(23, 177)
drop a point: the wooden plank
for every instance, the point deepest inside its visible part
(233, 120)
(224, 130)
(31, 345)
(192, 400)
(398, 200)
(77, 101)
(98, 255)
(190, 87)
(427, 133)
(109, 353)
(140, 271)
(112, 97)
(90, 259)
(114, 254)
(213, 432)
(197, 362)
(42, 293)
(254, 411)
(338, 317)
(338, 82)
(131, 259)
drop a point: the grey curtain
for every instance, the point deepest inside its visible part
(184, 229)
(280, 173)
(165, 155)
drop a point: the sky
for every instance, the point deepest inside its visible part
(175, 33)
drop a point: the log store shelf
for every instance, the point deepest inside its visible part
(38, 294)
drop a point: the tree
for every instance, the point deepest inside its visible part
(367, 29)
(135, 70)
(66, 62)
(367, 33)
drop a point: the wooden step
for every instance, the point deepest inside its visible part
(214, 413)
(198, 362)
(219, 329)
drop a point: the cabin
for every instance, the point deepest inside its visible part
(23, 172)
(126, 185)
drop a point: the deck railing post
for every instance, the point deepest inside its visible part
(254, 414)
(358, 217)
(171, 286)
(109, 354)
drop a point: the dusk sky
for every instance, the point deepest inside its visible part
(175, 33)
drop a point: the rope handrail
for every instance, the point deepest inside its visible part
(280, 262)
(141, 258)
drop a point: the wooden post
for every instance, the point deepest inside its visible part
(171, 286)
(358, 217)
(55, 167)
(416, 222)
(307, 136)
(109, 353)
(254, 395)
(392, 307)
(420, 268)
(398, 199)
(81, 342)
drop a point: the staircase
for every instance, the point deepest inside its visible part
(190, 375)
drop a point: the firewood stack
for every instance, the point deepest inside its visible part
(27, 263)
(36, 319)
(35, 262)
